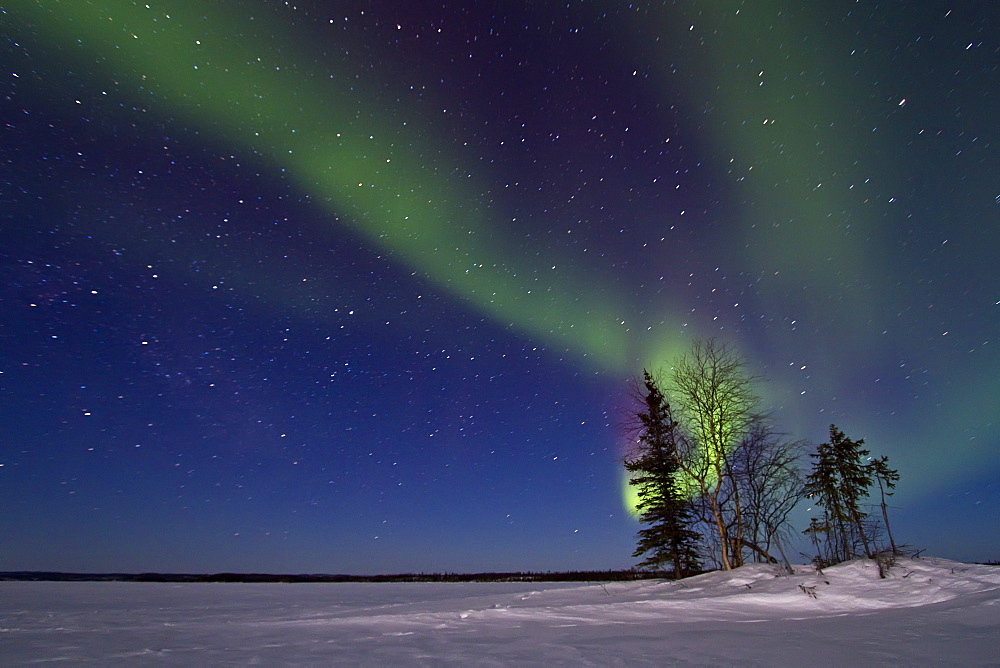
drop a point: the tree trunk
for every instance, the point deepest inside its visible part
(864, 538)
(761, 551)
(885, 516)
(738, 541)
(720, 524)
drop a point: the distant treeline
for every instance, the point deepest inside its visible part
(571, 576)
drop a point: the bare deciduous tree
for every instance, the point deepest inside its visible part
(766, 468)
(715, 403)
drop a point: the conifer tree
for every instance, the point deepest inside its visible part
(839, 481)
(668, 537)
(887, 479)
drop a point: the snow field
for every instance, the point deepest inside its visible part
(927, 612)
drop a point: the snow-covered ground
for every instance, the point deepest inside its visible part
(928, 612)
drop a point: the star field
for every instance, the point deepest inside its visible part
(305, 287)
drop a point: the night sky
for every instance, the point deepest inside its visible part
(356, 287)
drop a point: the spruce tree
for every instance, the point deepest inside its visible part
(887, 479)
(839, 481)
(668, 537)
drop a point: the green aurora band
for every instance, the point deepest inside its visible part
(793, 158)
(381, 174)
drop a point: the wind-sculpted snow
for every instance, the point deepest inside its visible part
(927, 611)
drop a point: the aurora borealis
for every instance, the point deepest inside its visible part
(317, 287)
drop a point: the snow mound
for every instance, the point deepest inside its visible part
(758, 591)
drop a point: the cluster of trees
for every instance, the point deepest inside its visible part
(842, 474)
(716, 482)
